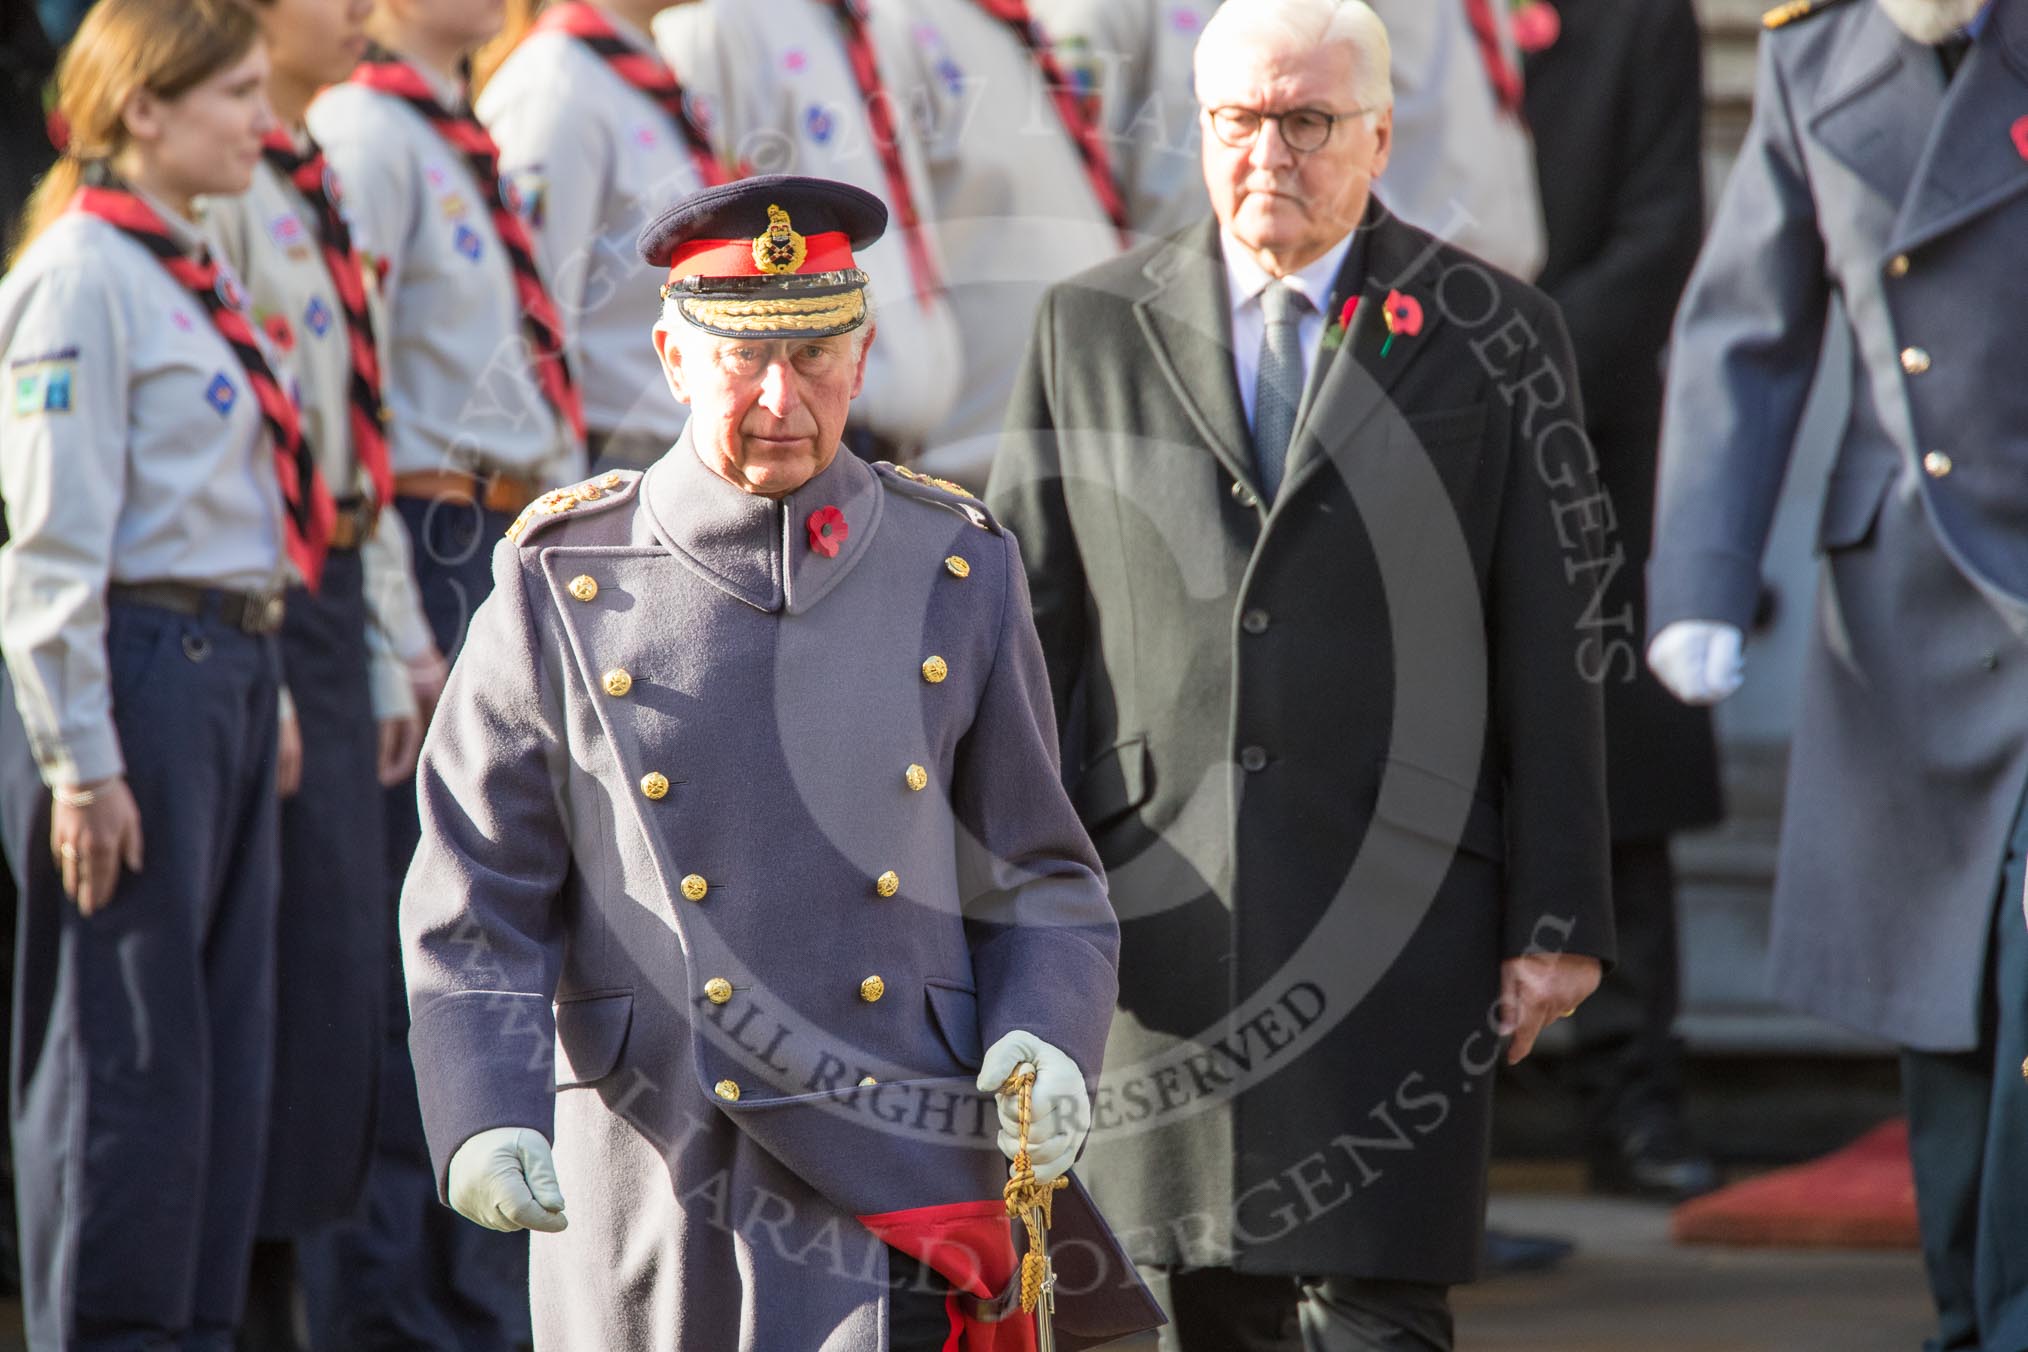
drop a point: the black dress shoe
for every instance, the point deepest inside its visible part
(1653, 1160)
(1508, 1253)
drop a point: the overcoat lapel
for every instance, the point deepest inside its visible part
(1880, 100)
(1188, 321)
(1355, 380)
(1972, 161)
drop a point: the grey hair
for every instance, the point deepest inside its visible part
(1299, 25)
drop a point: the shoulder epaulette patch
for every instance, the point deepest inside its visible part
(591, 495)
(941, 492)
(1783, 15)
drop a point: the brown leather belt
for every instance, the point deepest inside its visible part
(357, 519)
(495, 491)
(249, 612)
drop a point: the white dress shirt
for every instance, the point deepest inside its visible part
(1245, 280)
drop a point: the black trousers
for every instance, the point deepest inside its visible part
(1220, 1310)
(1969, 1145)
(1629, 1062)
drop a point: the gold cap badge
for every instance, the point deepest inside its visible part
(779, 248)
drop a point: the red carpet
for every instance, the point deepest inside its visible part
(1861, 1197)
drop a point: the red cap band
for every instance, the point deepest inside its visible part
(830, 251)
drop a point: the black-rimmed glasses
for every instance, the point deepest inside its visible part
(1302, 129)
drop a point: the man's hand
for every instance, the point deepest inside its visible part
(426, 677)
(400, 740)
(289, 757)
(1062, 1109)
(1698, 660)
(1537, 989)
(92, 839)
(505, 1179)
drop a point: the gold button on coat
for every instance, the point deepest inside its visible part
(871, 989)
(618, 682)
(655, 785)
(718, 990)
(958, 565)
(935, 670)
(1898, 266)
(584, 588)
(727, 1090)
(1914, 360)
(1936, 464)
(917, 778)
(868, 1082)
(694, 887)
(888, 883)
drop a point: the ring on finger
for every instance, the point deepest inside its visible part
(67, 852)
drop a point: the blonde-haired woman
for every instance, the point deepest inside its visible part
(158, 489)
(597, 135)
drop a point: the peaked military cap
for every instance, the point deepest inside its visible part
(768, 257)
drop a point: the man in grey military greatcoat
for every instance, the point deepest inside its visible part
(744, 797)
(1887, 164)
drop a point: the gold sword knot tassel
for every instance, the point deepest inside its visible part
(1032, 1202)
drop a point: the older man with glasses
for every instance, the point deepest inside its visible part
(1313, 535)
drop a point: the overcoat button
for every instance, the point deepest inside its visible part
(916, 778)
(655, 785)
(958, 566)
(868, 1082)
(718, 990)
(935, 670)
(1253, 760)
(727, 1090)
(1898, 266)
(1914, 360)
(584, 588)
(694, 887)
(888, 883)
(1254, 621)
(1936, 464)
(618, 682)
(871, 989)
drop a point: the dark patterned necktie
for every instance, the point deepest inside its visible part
(643, 71)
(313, 178)
(308, 510)
(1077, 120)
(462, 132)
(1278, 390)
(922, 265)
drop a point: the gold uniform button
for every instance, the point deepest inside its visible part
(871, 989)
(935, 670)
(655, 785)
(868, 1082)
(718, 990)
(584, 588)
(618, 682)
(727, 1090)
(694, 887)
(916, 778)
(1936, 464)
(958, 566)
(1898, 266)
(888, 883)
(1914, 360)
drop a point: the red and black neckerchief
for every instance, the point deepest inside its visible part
(392, 76)
(1500, 72)
(922, 265)
(1077, 119)
(643, 71)
(309, 511)
(314, 180)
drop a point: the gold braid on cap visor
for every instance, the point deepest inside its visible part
(838, 312)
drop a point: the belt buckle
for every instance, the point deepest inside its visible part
(263, 613)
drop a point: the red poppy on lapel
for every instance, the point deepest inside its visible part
(1536, 25)
(1335, 335)
(2020, 134)
(827, 531)
(1404, 318)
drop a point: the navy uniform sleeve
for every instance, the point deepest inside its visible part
(1044, 941)
(480, 928)
(1746, 344)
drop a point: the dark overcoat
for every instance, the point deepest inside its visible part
(1339, 753)
(1616, 107)
(1866, 178)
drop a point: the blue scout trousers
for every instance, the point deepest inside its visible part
(143, 1034)
(331, 973)
(1968, 1137)
(407, 1272)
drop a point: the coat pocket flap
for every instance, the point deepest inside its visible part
(955, 1009)
(1852, 501)
(591, 1031)
(1441, 809)
(1114, 783)
(1447, 426)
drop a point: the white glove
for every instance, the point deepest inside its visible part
(1062, 1109)
(505, 1179)
(1698, 660)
